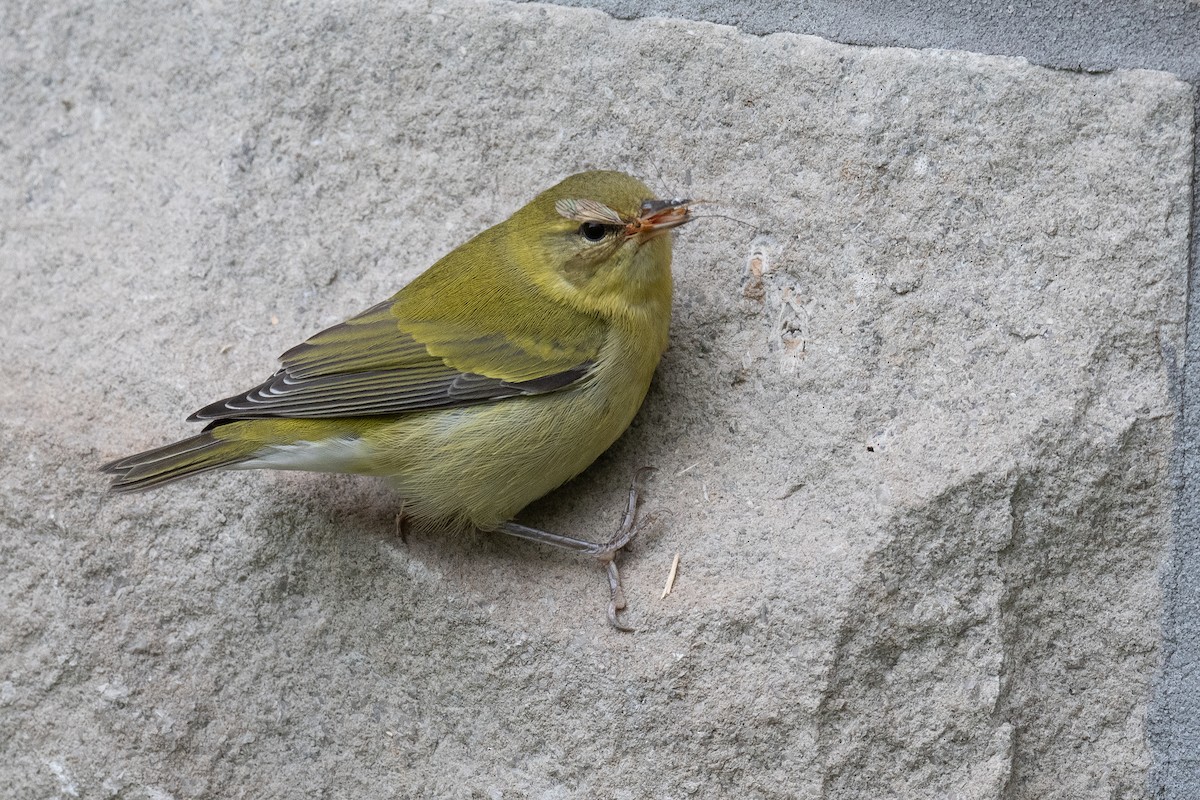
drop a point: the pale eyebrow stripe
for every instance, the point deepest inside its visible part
(584, 210)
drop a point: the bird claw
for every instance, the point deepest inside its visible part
(608, 555)
(605, 552)
(616, 602)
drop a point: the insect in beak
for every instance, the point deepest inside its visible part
(658, 217)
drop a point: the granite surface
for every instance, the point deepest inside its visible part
(913, 431)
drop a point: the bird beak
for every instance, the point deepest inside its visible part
(658, 217)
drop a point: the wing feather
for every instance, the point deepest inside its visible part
(380, 364)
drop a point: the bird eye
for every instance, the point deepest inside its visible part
(593, 231)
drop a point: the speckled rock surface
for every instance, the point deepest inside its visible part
(912, 431)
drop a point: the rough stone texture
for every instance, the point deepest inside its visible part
(1070, 34)
(913, 432)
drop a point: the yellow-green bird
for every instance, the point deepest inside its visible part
(499, 373)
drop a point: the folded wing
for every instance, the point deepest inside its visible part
(381, 363)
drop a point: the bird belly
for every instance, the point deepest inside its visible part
(480, 465)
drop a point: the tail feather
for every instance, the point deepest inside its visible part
(192, 456)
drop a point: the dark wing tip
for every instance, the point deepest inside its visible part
(233, 407)
(375, 393)
(212, 410)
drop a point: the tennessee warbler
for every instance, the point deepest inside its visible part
(499, 373)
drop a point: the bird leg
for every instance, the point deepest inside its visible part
(606, 552)
(402, 524)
